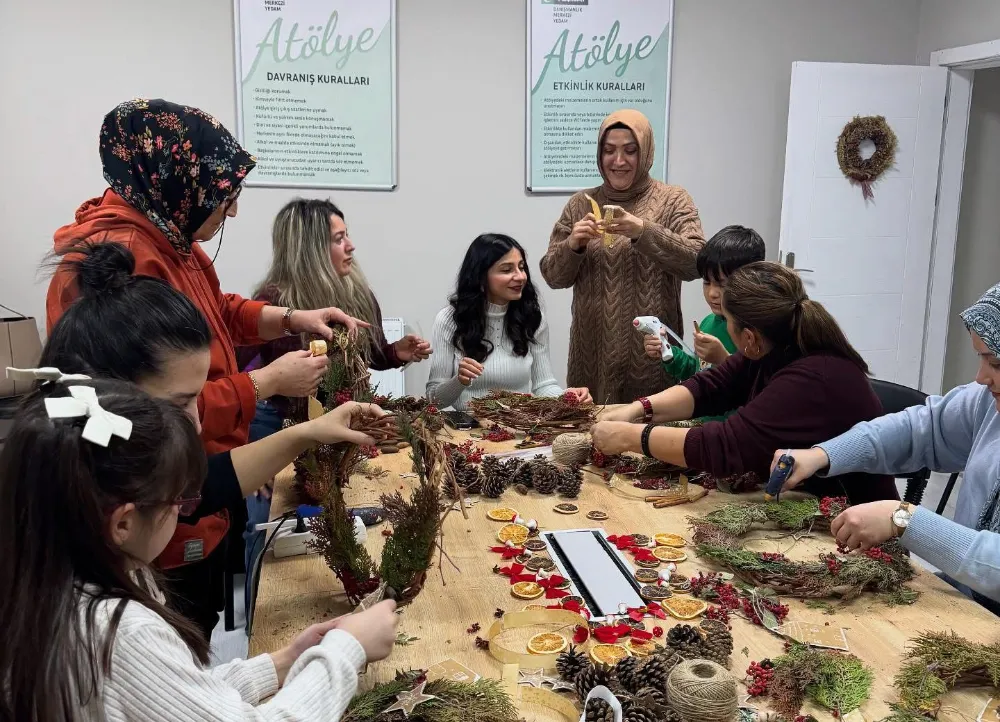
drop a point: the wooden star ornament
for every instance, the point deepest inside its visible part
(406, 701)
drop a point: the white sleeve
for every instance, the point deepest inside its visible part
(155, 678)
(443, 386)
(543, 380)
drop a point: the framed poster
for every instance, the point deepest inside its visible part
(587, 58)
(316, 92)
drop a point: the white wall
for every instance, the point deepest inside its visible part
(953, 23)
(977, 254)
(461, 130)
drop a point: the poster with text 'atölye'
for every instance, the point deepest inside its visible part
(587, 58)
(316, 92)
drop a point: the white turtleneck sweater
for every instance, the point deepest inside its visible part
(529, 374)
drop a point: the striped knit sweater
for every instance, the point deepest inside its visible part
(155, 678)
(611, 286)
(530, 374)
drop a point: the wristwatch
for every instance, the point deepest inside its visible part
(286, 321)
(901, 518)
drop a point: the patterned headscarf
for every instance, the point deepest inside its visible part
(173, 163)
(983, 317)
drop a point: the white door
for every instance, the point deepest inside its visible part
(868, 262)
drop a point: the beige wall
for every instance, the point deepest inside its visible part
(953, 23)
(977, 254)
(461, 129)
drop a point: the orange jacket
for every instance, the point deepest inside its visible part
(227, 402)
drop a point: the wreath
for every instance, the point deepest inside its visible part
(323, 472)
(883, 569)
(858, 169)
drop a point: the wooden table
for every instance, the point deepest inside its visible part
(297, 591)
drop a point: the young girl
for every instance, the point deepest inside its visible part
(139, 329)
(796, 381)
(492, 335)
(94, 475)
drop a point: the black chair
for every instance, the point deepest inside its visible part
(947, 493)
(895, 398)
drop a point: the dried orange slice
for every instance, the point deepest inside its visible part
(514, 533)
(547, 643)
(502, 513)
(608, 654)
(641, 648)
(526, 590)
(669, 554)
(669, 540)
(683, 607)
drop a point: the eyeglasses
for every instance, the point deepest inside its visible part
(232, 199)
(187, 507)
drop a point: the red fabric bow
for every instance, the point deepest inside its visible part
(623, 542)
(507, 552)
(514, 572)
(581, 634)
(656, 610)
(641, 634)
(637, 613)
(642, 554)
(572, 606)
(550, 586)
(610, 634)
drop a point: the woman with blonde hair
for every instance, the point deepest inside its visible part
(313, 262)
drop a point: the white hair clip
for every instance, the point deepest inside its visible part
(101, 424)
(47, 373)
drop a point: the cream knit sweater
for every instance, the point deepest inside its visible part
(530, 374)
(155, 678)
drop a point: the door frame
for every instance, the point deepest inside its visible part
(962, 62)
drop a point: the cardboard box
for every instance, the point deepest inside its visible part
(20, 347)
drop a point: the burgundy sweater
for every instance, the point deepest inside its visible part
(783, 401)
(381, 356)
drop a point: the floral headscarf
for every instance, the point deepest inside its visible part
(173, 163)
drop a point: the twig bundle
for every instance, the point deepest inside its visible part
(535, 413)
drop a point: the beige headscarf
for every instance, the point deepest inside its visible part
(643, 132)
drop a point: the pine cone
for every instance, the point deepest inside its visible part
(570, 481)
(641, 714)
(490, 466)
(522, 475)
(683, 634)
(588, 678)
(493, 486)
(598, 710)
(657, 668)
(570, 663)
(627, 674)
(544, 476)
(655, 695)
(466, 476)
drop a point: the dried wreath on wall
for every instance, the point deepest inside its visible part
(861, 170)
(884, 569)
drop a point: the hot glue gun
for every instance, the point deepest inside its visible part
(651, 324)
(777, 479)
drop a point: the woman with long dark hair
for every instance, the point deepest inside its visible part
(794, 381)
(492, 335)
(93, 476)
(139, 329)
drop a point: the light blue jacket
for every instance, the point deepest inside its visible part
(960, 430)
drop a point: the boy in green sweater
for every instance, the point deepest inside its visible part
(729, 249)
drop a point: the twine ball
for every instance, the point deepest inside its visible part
(571, 449)
(702, 691)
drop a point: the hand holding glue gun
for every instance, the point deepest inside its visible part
(651, 325)
(782, 469)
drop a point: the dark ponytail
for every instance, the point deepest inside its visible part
(58, 565)
(123, 325)
(770, 299)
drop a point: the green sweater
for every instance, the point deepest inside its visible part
(683, 365)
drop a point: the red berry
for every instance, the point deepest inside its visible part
(431, 409)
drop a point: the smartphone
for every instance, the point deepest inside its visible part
(460, 420)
